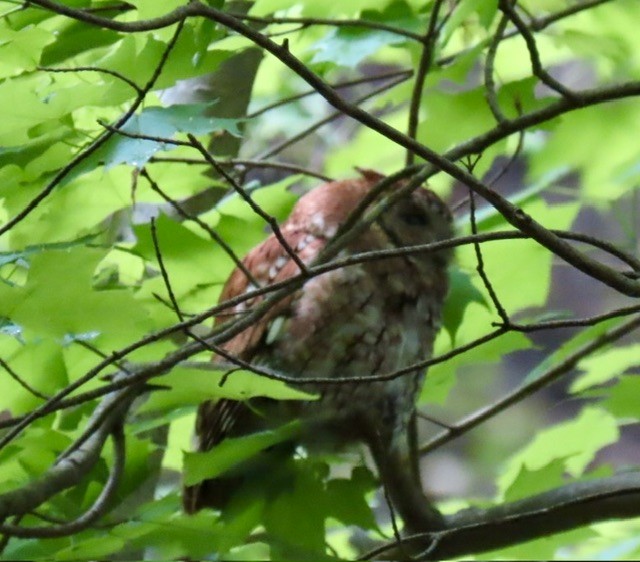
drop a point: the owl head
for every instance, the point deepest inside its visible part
(420, 217)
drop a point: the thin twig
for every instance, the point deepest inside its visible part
(526, 390)
(512, 160)
(536, 64)
(100, 353)
(393, 517)
(424, 65)
(328, 21)
(433, 420)
(489, 83)
(139, 91)
(24, 384)
(539, 24)
(209, 230)
(337, 86)
(480, 265)
(296, 169)
(291, 140)
(257, 209)
(163, 271)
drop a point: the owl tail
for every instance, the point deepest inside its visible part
(228, 419)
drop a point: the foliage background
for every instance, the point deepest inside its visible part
(108, 191)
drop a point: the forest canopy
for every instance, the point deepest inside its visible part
(146, 147)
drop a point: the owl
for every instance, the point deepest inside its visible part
(367, 319)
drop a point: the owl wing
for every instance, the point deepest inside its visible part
(268, 263)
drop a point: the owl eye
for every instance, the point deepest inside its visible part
(415, 218)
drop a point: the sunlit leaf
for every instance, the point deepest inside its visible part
(605, 366)
(576, 442)
(191, 386)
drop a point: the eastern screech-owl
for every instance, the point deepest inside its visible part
(363, 320)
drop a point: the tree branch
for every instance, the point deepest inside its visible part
(562, 509)
(92, 514)
(426, 60)
(71, 468)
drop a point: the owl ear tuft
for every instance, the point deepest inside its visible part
(370, 175)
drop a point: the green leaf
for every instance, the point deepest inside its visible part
(441, 378)
(623, 400)
(296, 524)
(530, 482)
(159, 526)
(76, 308)
(571, 346)
(230, 452)
(71, 212)
(94, 548)
(40, 364)
(20, 110)
(576, 441)
(161, 122)
(528, 263)
(20, 50)
(190, 259)
(346, 499)
(605, 366)
(24, 255)
(349, 46)
(484, 10)
(461, 293)
(605, 165)
(190, 386)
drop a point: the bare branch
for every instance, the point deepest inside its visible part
(70, 469)
(139, 91)
(90, 516)
(338, 86)
(326, 120)
(480, 266)
(246, 163)
(307, 22)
